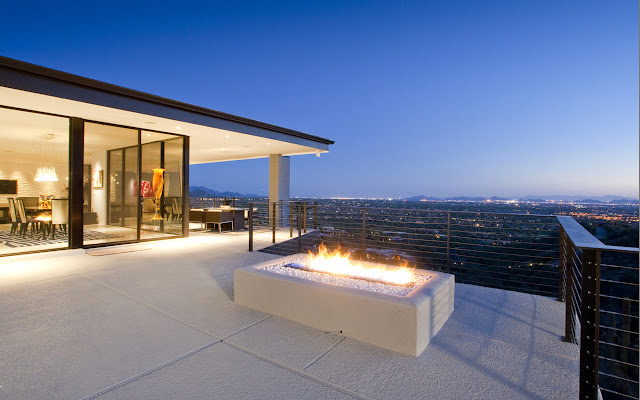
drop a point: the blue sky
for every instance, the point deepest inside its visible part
(439, 98)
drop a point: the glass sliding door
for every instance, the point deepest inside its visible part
(111, 154)
(123, 183)
(173, 176)
(136, 184)
(161, 161)
(132, 183)
(130, 198)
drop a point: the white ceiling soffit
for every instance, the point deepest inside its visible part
(207, 144)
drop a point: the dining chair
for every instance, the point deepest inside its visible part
(59, 215)
(24, 220)
(14, 217)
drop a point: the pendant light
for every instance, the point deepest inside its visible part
(47, 173)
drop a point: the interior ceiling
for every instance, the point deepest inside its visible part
(207, 144)
(22, 138)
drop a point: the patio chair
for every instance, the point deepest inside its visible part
(218, 217)
(176, 203)
(196, 215)
(59, 215)
(13, 215)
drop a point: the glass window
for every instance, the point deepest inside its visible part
(34, 171)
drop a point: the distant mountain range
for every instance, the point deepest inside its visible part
(202, 191)
(610, 199)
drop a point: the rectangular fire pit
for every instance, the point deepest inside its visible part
(401, 318)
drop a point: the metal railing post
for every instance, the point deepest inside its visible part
(304, 217)
(250, 226)
(561, 266)
(299, 229)
(448, 241)
(290, 219)
(589, 324)
(315, 215)
(364, 235)
(273, 222)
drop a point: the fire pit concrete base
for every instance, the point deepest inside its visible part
(405, 324)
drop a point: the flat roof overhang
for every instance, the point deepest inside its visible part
(214, 136)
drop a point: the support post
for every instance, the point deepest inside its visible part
(250, 226)
(589, 323)
(363, 239)
(279, 183)
(448, 241)
(76, 157)
(185, 186)
(299, 229)
(290, 219)
(273, 222)
(315, 215)
(304, 216)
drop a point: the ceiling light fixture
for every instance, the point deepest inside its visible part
(47, 173)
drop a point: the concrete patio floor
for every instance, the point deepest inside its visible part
(161, 324)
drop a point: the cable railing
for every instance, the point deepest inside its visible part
(545, 255)
(508, 251)
(599, 285)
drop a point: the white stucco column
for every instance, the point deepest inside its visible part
(279, 185)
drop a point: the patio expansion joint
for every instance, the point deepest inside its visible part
(324, 353)
(148, 372)
(302, 373)
(154, 308)
(246, 327)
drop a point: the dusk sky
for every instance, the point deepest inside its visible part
(447, 98)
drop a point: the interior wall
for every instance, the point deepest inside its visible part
(24, 172)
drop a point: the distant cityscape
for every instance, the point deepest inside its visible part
(605, 209)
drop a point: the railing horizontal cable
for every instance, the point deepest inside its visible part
(617, 313)
(617, 298)
(620, 346)
(509, 240)
(618, 362)
(618, 329)
(617, 377)
(617, 393)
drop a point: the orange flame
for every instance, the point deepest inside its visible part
(338, 263)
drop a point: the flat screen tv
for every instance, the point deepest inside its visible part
(8, 186)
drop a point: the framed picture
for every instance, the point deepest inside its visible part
(145, 189)
(97, 179)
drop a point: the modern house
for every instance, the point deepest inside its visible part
(543, 309)
(95, 146)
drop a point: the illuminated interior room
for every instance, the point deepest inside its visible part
(85, 163)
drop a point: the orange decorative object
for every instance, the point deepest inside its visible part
(44, 202)
(157, 185)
